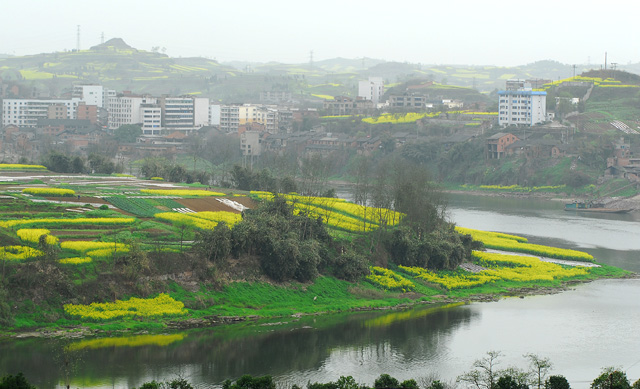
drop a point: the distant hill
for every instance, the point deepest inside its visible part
(120, 66)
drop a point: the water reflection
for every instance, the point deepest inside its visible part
(298, 352)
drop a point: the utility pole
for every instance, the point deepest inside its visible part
(574, 71)
(613, 66)
(605, 60)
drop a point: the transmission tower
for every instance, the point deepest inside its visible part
(78, 39)
(102, 38)
(311, 59)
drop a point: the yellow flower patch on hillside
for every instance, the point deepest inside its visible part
(162, 305)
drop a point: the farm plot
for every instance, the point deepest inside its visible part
(144, 206)
(213, 205)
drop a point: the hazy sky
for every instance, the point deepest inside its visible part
(488, 32)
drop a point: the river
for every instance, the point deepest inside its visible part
(582, 330)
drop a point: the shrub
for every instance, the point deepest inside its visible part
(249, 382)
(385, 381)
(611, 378)
(17, 382)
(556, 382)
(6, 318)
(350, 266)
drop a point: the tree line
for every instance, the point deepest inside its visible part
(484, 375)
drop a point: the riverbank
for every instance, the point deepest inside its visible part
(199, 319)
(631, 203)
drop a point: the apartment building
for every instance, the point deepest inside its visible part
(247, 113)
(229, 118)
(251, 143)
(88, 112)
(276, 96)
(407, 101)
(520, 105)
(343, 105)
(151, 115)
(214, 114)
(126, 110)
(91, 94)
(26, 112)
(372, 89)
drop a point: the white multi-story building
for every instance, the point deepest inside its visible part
(214, 115)
(151, 115)
(519, 105)
(184, 113)
(26, 112)
(229, 118)
(126, 110)
(373, 89)
(91, 94)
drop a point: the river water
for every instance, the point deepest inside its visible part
(581, 330)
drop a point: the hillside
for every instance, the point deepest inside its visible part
(119, 66)
(154, 263)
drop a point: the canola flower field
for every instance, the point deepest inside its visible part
(338, 213)
(19, 253)
(513, 243)
(21, 167)
(499, 267)
(33, 235)
(53, 192)
(389, 280)
(75, 260)
(200, 220)
(56, 222)
(597, 81)
(162, 305)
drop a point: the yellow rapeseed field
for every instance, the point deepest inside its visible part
(162, 305)
(33, 235)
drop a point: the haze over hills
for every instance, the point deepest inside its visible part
(119, 66)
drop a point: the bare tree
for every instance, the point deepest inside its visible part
(362, 188)
(539, 368)
(485, 373)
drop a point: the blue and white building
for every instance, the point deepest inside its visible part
(519, 105)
